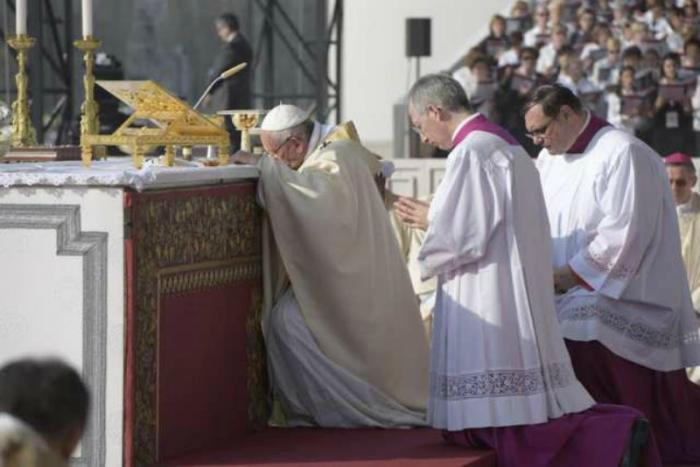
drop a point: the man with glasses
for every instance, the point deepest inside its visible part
(682, 176)
(500, 374)
(623, 299)
(344, 337)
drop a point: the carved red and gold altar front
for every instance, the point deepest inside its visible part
(195, 365)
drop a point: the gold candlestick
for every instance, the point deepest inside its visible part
(23, 133)
(89, 120)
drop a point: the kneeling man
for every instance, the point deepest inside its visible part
(623, 302)
(500, 373)
(345, 341)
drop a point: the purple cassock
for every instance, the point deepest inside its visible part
(500, 374)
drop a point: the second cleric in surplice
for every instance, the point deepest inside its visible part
(623, 304)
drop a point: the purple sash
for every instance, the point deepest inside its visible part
(594, 125)
(481, 123)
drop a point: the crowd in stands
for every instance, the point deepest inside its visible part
(634, 63)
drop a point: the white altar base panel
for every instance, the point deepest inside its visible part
(56, 299)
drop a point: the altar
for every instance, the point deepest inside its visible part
(149, 282)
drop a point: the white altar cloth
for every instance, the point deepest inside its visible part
(118, 171)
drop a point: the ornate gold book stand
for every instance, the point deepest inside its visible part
(170, 122)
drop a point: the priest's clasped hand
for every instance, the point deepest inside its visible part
(413, 212)
(564, 279)
(245, 158)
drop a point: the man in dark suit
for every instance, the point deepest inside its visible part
(235, 92)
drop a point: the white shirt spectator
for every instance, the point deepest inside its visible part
(547, 59)
(659, 27)
(531, 36)
(603, 78)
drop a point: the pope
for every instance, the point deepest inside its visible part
(345, 340)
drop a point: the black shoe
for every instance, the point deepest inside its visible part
(639, 435)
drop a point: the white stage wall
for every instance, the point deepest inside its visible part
(375, 69)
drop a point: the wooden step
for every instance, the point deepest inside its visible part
(329, 447)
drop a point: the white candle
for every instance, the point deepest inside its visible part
(21, 17)
(87, 18)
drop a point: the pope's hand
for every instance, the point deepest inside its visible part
(245, 158)
(413, 212)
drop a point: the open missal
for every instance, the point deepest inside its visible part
(673, 92)
(631, 104)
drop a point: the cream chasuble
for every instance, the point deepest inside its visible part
(349, 324)
(689, 225)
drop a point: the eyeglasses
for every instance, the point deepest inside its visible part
(277, 149)
(679, 183)
(539, 133)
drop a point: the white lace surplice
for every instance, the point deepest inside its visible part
(498, 358)
(613, 221)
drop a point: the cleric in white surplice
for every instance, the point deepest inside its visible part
(623, 304)
(500, 373)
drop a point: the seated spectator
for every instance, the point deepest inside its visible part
(572, 77)
(672, 110)
(690, 62)
(606, 70)
(674, 39)
(510, 56)
(584, 33)
(520, 18)
(643, 38)
(655, 18)
(604, 12)
(627, 35)
(620, 20)
(512, 94)
(464, 74)
(43, 411)
(695, 102)
(596, 49)
(565, 54)
(644, 78)
(547, 63)
(496, 42)
(539, 35)
(651, 62)
(557, 17)
(481, 85)
(690, 12)
(628, 109)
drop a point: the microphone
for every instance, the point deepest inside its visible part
(225, 75)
